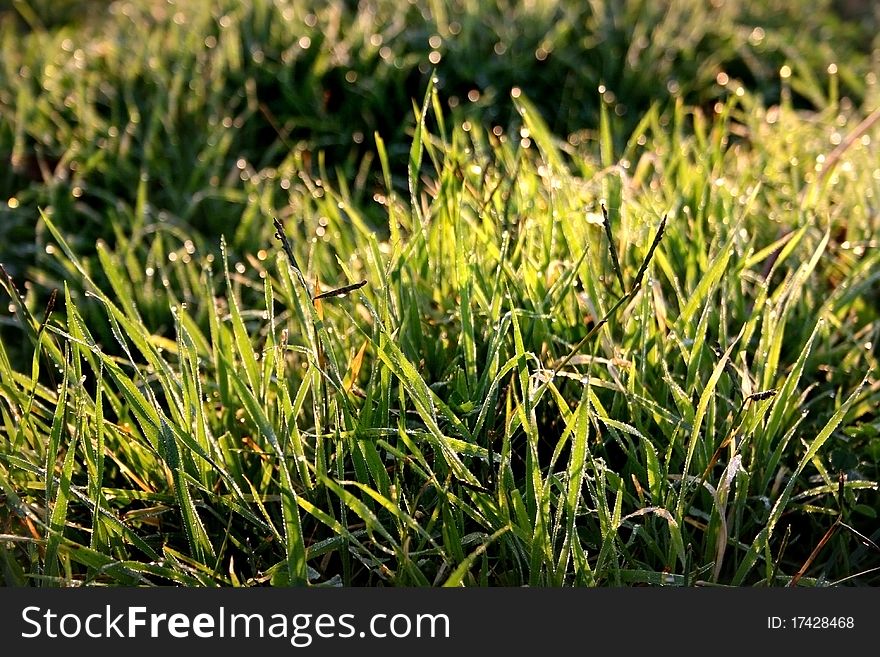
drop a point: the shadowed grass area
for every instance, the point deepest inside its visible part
(645, 353)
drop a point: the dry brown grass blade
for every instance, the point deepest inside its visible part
(834, 156)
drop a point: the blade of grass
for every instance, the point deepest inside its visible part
(779, 506)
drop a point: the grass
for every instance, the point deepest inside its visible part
(640, 354)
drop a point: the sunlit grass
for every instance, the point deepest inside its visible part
(648, 356)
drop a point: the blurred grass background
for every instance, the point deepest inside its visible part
(96, 95)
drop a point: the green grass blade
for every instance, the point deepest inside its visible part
(763, 538)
